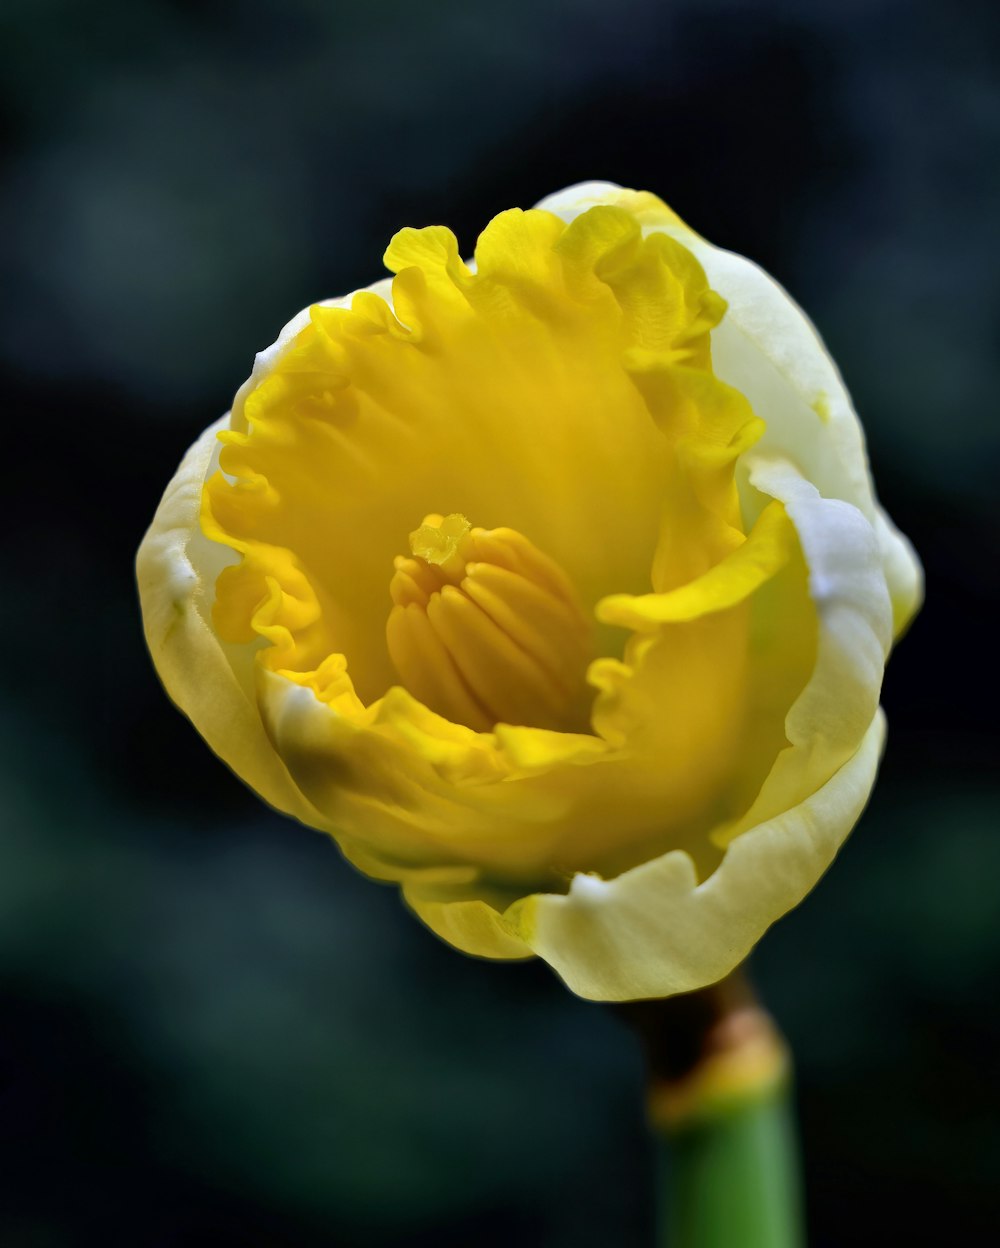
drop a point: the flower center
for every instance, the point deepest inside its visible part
(487, 629)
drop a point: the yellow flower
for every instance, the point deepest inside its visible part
(554, 587)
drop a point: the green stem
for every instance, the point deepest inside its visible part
(731, 1181)
(720, 1108)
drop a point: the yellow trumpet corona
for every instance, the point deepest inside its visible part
(626, 723)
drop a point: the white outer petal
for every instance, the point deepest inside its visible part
(848, 589)
(903, 571)
(571, 201)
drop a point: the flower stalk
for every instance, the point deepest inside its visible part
(727, 1168)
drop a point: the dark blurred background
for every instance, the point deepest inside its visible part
(213, 1031)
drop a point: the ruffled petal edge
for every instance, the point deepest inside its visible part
(174, 595)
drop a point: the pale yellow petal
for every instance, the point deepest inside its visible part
(470, 923)
(903, 572)
(816, 790)
(846, 584)
(656, 930)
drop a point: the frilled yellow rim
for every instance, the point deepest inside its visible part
(561, 389)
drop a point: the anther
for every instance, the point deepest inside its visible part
(487, 629)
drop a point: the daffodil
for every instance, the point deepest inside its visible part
(552, 585)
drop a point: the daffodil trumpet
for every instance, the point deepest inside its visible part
(552, 585)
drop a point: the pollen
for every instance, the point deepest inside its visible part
(485, 628)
